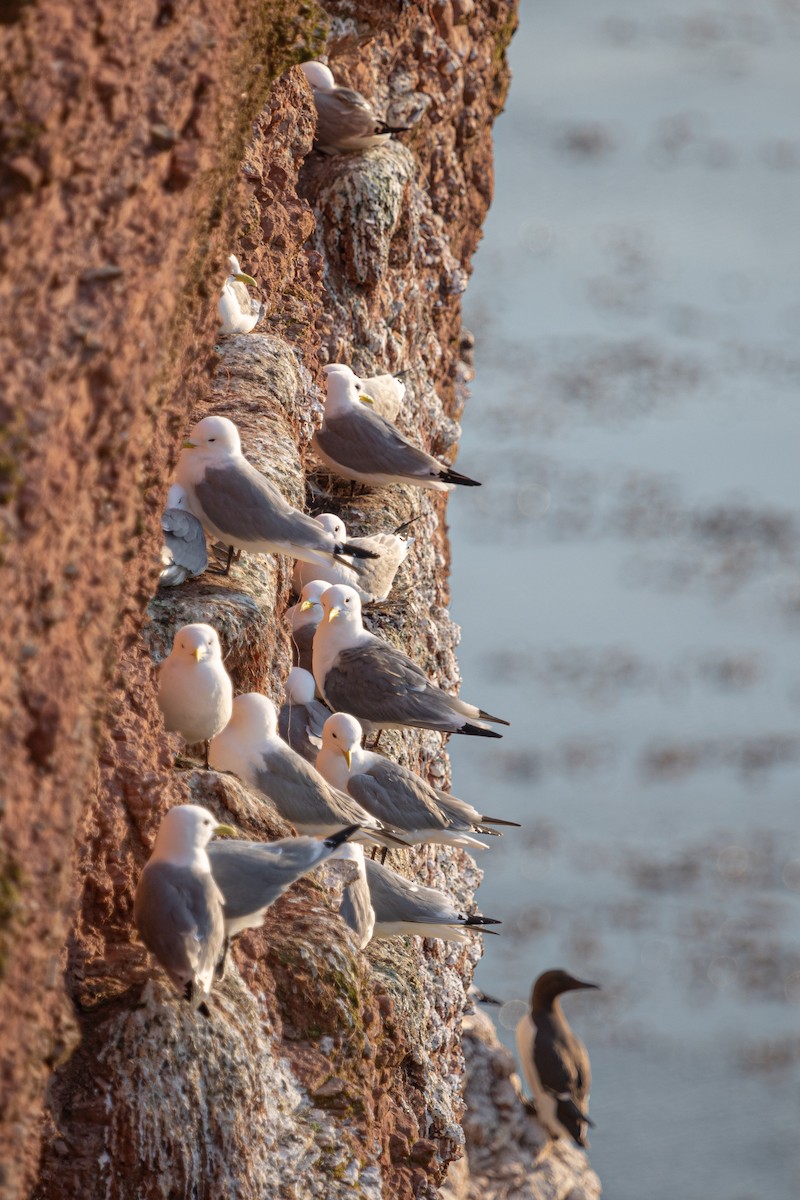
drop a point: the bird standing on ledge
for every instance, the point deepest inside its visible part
(555, 1062)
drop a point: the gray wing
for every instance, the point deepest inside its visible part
(185, 540)
(240, 502)
(247, 303)
(302, 642)
(375, 575)
(251, 876)
(397, 899)
(179, 918)
(397, 797)
(379, 684)
(369, 444)
(300, 794)
(343, 113)
(293, 727)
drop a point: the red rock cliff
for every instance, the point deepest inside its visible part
(142, 144)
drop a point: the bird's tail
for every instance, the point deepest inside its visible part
(448, 475)
(477, 919)
(384, 128)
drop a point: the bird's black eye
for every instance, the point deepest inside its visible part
(212, 440)
(347, 601)
(333, 735)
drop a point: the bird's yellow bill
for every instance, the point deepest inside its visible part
(348, 757)
(333, 613)
(225, 831)
(306, 605)
(365, 399)
(197, 653)
(242, 278)
(189, 445)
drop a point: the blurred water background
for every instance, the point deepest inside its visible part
(628, 578)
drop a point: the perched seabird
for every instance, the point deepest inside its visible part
(178, 908)
(554, 1060)
(195, 692)
(304, 617)
(400, 906)
(345, 119)
(252, 875)
(184, 554)
(372, 578)
(238, 311)
(387, 393)
(239, 506)
(383, 688)
(389, 791)
(302, 716)
(357, 444)
(250, 747)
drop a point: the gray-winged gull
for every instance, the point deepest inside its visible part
(345, 118)
(178, 907)
(387, 790)
(371, 577)
(238, 311)
(252, 875)
(301, 716)
(359, 445)
(239, 506)
(360, 674)
(400, 906)
(304, 617)
(250, 747)
(195, 692)
(554, 1060)
(184, 554)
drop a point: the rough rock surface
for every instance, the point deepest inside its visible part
(133, 167)
(508, 1155)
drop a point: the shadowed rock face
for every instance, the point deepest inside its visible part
(135, 169)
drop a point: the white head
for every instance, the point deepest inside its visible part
(342, 604)
(214, 437)
(184, 831)
(236, 272)
(176, 497)
(254, 716)
(300, 686)
(341, 734)
(199, 643)
(311, 596)
(318, 75)
(344, 389)
(333, 524)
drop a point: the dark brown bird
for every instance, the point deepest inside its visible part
(555, 1062)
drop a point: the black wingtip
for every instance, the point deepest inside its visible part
(484, 716)
(450, 476)
(478, 731)
(344, 835)
(477, 919)
(354, 551)
(497, 821)
(384, 128)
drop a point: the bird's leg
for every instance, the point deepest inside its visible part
(352, 489)
(384, 852)
(205, 747)
(374, 853)
(377, 740)
(227, 570)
